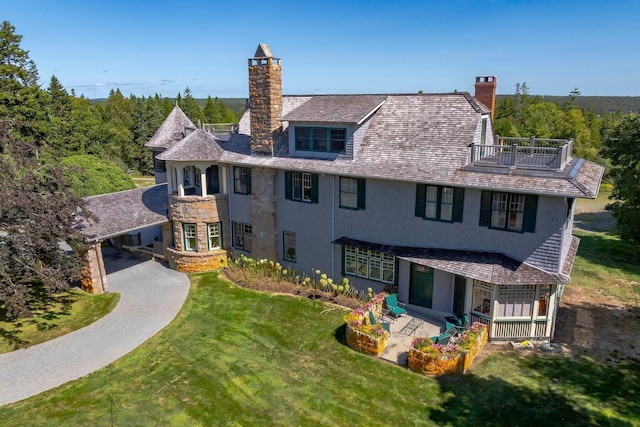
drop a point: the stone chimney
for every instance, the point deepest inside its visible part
(265, 100)
(486, 91)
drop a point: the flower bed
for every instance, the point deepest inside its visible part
(432, 359)
(363, 336)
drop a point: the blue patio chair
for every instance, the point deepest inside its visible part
(396, 308)
(443, 339)
(385, 325)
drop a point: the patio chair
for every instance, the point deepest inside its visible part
(443, 339)
(396, 308)
(385, 325)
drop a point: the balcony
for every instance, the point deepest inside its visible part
(523, 153)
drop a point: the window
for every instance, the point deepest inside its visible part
(213, 180)
(483, 131)
(198, 177)
(301, 187)
(516, 300)
(368, 264)
(289, 245)
(190, 237)
(241, 180)
(214, 235)
(352, 193)
(508, 211)
(482, 297)
(159, 165)
(439, 203)
(242, 236)
(320, 139)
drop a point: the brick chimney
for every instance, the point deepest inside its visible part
(486, 91)
(265, 100)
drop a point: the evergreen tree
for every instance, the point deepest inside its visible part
(118, 122)
(59, 112)
(191, 108)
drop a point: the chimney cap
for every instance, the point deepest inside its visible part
(486, 79)
(263, 51)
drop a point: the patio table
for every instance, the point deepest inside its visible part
(411, 327)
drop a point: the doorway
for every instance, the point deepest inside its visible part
(421, 286)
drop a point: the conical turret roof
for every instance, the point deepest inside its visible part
(172, 130)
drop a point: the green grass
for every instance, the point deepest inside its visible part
(143, 180)
(66, 312)
(238, 357)
(608, 265)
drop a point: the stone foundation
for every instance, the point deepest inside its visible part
(193, 262)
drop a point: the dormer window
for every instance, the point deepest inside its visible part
(330, 140)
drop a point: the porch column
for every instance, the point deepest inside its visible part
(224, 181)
(180, 171)
(203, 181)
(94, 276)
(170, 183)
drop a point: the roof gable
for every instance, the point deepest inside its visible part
(198, 145)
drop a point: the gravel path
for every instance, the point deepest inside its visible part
(151, 296)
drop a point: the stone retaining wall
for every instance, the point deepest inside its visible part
(193, 262)
(365, 343)
(427, 364)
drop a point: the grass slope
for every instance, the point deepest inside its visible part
(238, 357)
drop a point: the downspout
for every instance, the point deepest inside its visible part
(333, 225)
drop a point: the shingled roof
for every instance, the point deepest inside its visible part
(124, 211)
(199, 145)
(335, 109)
(172, 130)
(489, 267)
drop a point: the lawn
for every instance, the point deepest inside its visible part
(239, 357)
(63, 313)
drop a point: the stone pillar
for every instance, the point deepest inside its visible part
(263, 213)
(94, 276)
(486, 91)
(265, 100)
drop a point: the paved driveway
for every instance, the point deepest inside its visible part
(151, 296)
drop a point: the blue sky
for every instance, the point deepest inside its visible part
(148, 47)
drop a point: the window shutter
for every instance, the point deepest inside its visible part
(361, 193)
(421, 194)
(248, 181)
(221, 234)
(458, 204)
(314, 188)
(485, 208)
(530, 209)
(343, 267)
(287, 185)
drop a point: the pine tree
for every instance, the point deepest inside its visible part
(190, 106)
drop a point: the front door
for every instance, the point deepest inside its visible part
(421, 286)
(458, 296)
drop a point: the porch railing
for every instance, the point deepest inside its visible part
(519, 329)
(532, 153)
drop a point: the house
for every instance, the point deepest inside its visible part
(406, 190)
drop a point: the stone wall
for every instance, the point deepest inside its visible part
(263, 213)
(198, 210)
(427, 364)
(365, 343)
(265, 103)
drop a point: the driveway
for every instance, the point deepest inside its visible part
(151, 296)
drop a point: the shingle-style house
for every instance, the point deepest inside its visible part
(411, 190)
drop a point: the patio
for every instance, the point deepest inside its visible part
(404, 329)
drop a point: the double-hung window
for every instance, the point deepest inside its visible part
(289, 245)
(508, 211)
(368, 264)
(242, 236)
(301, 186)
(214, 235)
(241, 180)
(439, 203)
(331, 140)
(190, 234)
(352, 193)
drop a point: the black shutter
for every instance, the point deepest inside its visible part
(530, 209)
(221, 234)
(314, 188)
(458, 204)
(361, 193)
(485, 209)
(287, 185)
(248, 181)
(421, 194)
(343, 267)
